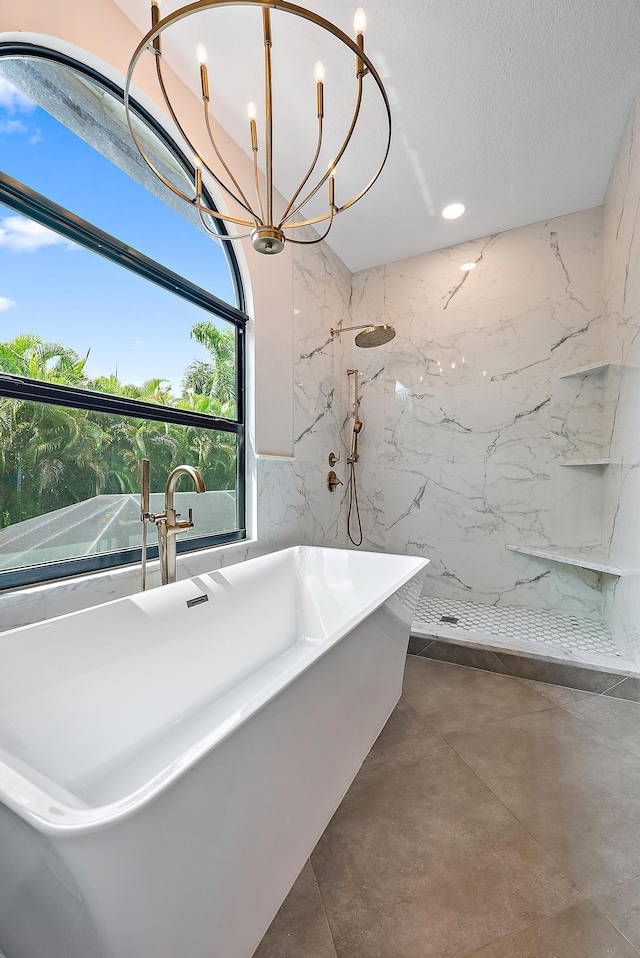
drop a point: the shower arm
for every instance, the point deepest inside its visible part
(347, 329)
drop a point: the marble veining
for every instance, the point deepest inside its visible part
(475, 418)
(621, 492)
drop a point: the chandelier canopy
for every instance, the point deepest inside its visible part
(268, 228)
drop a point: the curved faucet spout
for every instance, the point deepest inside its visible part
(168, 524)
(172, 481)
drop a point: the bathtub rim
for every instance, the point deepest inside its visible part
(51, 815)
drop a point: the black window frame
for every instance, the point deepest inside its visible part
(35, 206)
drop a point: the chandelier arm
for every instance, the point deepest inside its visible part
(217, 215)
(175, 119)
(219, 236)
(147, 160)
(354, 199)
(331, 169)
(320, 238)
(268, 110)
(309, 172)
(167, 102)
(245, 202)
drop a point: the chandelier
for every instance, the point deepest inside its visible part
(267, 228)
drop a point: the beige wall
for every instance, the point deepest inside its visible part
(101, 35)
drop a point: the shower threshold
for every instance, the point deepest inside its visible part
(547, 635)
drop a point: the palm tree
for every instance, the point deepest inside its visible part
(52, 456)
(215, 379)
(27, 355)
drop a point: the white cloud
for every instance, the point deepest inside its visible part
(14, 100)
(5, 304)
(13, 126)
(21, 235)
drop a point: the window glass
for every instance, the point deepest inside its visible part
(70, 480)
(93, 327)
(67, 138)
(72, 317)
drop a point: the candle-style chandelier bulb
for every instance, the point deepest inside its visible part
(252, 111)
(201, 54)
(318, 72)
(360, 22)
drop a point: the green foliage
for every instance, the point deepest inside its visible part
(53, 456)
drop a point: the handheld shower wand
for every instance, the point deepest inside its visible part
(356, 537)
(357, 427)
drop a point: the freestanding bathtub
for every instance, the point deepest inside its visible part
(169, 760)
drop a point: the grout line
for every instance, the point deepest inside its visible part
(324, 909)
(615, 685)
(540, 921)
(612, 923)
(529, 833)
(492, 721)
(610, 741)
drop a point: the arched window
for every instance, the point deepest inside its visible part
(121, 330)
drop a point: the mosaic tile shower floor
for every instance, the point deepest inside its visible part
(436, 616)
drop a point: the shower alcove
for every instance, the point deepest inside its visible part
(583, 407)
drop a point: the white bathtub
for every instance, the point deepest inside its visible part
(167, 767)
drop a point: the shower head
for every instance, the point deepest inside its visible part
(370, 335)
(375, 336)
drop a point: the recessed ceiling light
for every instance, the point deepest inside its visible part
(467, 266)
(453, 211)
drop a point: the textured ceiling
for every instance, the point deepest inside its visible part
(516, 108)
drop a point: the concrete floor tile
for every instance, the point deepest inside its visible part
(481, 842)
(453, 697)
(419, 904)
(558, 694)
(622, 907)
(577, 932)
(406, 728)
(617, 719)
(574, 790)
(422, 861)
(300, 928)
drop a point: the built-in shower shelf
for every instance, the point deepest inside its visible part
(584, 462)
(584, 558)
(589, 369)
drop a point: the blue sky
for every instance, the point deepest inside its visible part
(68, 295)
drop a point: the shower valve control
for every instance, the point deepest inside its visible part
(333, 482)
(333, 459)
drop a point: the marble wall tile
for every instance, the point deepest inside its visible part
(577, 418)
(621, 492)
(576, 506)
(475, 416)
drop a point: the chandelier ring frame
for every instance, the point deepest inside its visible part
(147, 43)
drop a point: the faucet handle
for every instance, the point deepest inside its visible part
(185, 524)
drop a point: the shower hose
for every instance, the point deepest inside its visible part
(353, 502)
